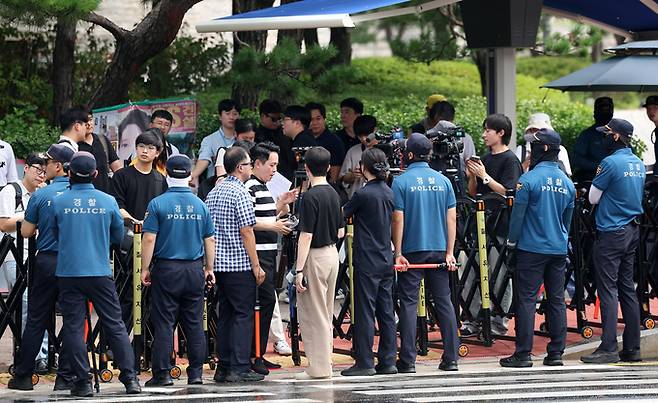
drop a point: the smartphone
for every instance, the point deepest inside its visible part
(474, 158)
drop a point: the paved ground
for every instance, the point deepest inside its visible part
(475, 382)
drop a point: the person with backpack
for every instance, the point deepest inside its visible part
(13, 202)
(106, 158)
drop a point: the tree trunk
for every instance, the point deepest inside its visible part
(479, 57)
(597, 49)
(134, 48)
(311, 38)
(295, 34)
(63, 66)
(341, 38)
(254, 39)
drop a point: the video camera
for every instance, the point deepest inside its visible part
(391, 144)
(447, 140)
(300, 153)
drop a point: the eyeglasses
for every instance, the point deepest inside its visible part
(40, 171)
(244, 164)
(274, 118)
(149, 147)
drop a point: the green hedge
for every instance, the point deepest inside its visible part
(26, 133)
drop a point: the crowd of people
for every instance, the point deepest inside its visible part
(215, 222)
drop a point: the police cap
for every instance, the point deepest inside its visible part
(619, 126)
(179, 166)
(418, 144)
(548, 137)
(59, 153)
(83, 164)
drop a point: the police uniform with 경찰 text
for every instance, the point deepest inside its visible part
(181, 223)
(539, 228)
(87, 221)
(620, 182)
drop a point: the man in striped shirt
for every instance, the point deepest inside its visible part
(265, 158)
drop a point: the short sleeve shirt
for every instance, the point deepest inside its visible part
(210, 145)
(424, 196)
(334, 145)
(265, 211)
(9, 209)
(320, 214)
(231, 209)
(8, 171)
(547, 192)
(620, 177)
(181, 221)
(41, 213)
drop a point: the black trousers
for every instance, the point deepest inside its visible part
(266, 298)
(75, 291)
(531, 270)
(40, 307)
(614, 260)
(177, 293)
(236, 299)
(438, 282)
(373, 298)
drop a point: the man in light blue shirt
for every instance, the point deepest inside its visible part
(539, 229)
(224, 137)
(617, 188)
(424, 229)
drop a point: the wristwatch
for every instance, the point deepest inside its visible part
(486, 180)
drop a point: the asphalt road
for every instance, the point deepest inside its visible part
(475, 382)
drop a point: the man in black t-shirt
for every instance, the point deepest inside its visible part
(106, 158)
(496, 172)
(295, 127)
(350, 109)
(269, 129)
(135, 186)
(325, 138)
(320, 226)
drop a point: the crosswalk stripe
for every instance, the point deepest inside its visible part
(503, 387)
(193, 396)
(538, 395)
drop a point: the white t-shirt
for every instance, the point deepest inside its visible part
(563, 156)
(8, 172)
(9, 209)
(219, 161)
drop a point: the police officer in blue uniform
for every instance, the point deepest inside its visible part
(372, 208)
(617, 188)
(538, 235)
(86, 221)
(424, 229)
(44, 290)
(178, 231)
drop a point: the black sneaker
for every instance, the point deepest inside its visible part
(23, 382)
(270, 364)
(197, 380)
(601, 357)
(248, 376)
(259, 367)
(386, 369)
(132, 386)
(630, 356)
(356, 371)
(469, 331)
(220, 374)
(405, 368)
(514, 361)
(161, 379)
(553, 361)
(447, 365)
(41, 366)
(82, 389)
(62, 384)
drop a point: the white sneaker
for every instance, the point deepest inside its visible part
(282, 348)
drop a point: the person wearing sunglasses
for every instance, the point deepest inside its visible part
(269, 129)
(617, 189)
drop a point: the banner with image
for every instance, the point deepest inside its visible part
(121, 124)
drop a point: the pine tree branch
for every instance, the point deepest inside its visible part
(116, 31)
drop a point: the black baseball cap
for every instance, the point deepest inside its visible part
(83, 164)
(651, 100)
(418, 144)
(548, 137)
(619, 126)
(179, 166)
(603, 101)
(59, 153)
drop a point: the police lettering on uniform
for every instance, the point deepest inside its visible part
(538, 235)
(372, 208)
(83, 272)
(617, 188)
(424, 229)
(178, 230)
(44, 290)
